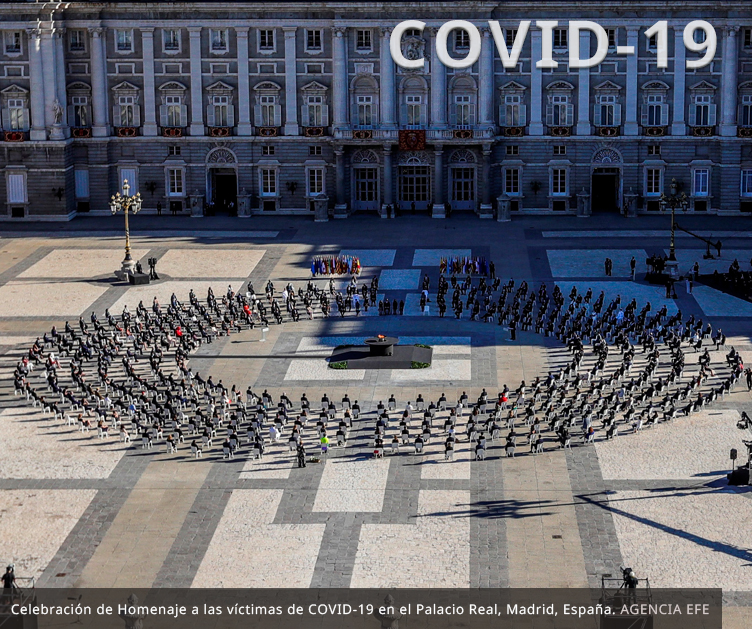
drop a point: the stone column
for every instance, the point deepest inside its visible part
(197, 86)
(340, 203)
(439, 209)
(487, 82)
(150, 105)
(244, 96)
(387, 99)
(583, 90)
(536, 84)
(50, 81)
(291, 82)
(339, 80)
(679, 127)
(36, 97)
(631, 125)
(98, 84)
(729, 82)
(62, 95)
(438, 87)
(388, 193)
(486, 207)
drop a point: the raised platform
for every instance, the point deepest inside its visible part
(360, 357)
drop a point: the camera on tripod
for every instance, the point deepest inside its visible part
(629, 578)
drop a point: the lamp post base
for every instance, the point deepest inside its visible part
(127, 268)
(672, 269)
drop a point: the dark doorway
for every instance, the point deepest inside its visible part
(224, 192)
(604, 194)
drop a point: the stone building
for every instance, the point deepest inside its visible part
(292, 107)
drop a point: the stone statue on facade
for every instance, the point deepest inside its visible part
(132, 619)
(57, 112)
(389, 620)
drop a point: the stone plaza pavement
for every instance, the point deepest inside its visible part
(79, 511)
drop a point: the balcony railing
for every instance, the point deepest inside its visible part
(654, 131)
(560, 132)
(744, 132)
(703, 132)
(608, 132)
(81, 132)
(220, 132)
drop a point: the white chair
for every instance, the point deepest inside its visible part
(227, 453)
(480, 455)
(196, 451)
(449, 455)
(395, 448)
(510, 451)
(418, 448)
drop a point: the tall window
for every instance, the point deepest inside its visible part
(464, 110)
(512, 181)
(745, 115)
(514, 111)
(746, 189)
(17, 114)
(702, 108)
(313, 40)
(220, 106)
(701, 182)
(560, 105)
(315, 181)
(218, 40)
(748, 37)
(611, 32)
(266, 39)
(76, 41)
(268, 106)
(174, 110)
(414, 109)
(80, 111)
(13, 42)
(655, 116)
(365, 110)
(653, 182)
(124, 40)
(607, 110)
(461, 38)
(363, 39)
(127, 115)
(171, 40)
(175, 182)
(268, 182)
(560, 38)
(559, 181)
(315, 112)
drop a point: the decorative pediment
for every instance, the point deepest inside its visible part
(560, 86)
(608, 86)
(267, 86)
(747, 85)
(656, 86)
(128, 87)
(364, 83)
(314, 86)
(14, 89)
(78, 86)
(703, 86)
(513, 86)
(173, 86)
(220, 86)
(463, 82)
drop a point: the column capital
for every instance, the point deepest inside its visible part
(438, 149)
(485, 31)
(732, 30)
(386, 31)
(633, 30)
(242, 31)
(289, 31)
(96, 31)
(387, 149)
(339, 151)
(195, 31)
(34, 32)
(147, 31)
(59, 31)
(339, 31)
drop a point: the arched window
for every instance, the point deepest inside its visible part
(125, 109)
(268, 111)
(365, 102)
(414, 102)
(463, 101)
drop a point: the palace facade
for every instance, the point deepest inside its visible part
(290, 107)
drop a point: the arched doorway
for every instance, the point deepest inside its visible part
(462, 180)
(414, 181)
(606, 181)
(365, 180)
(221, 182)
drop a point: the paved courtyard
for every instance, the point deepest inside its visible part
(77, 510)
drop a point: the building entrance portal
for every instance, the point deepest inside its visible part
(414, 187)
(604, 195)
(224, 191)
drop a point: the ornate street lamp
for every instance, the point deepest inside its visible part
(674, 200)
(126, 203)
